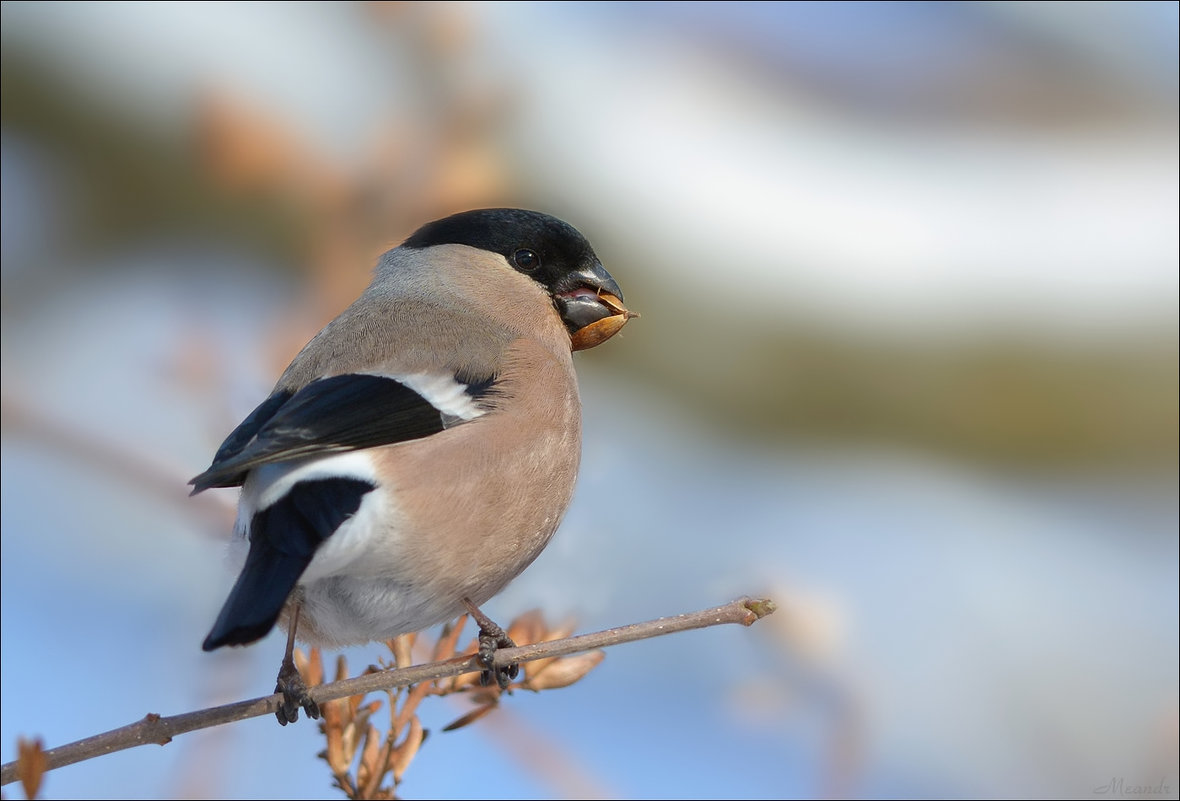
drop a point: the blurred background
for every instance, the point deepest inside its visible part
(907, 364)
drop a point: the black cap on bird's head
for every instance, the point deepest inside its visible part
(551, 252)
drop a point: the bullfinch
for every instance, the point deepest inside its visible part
(420, 451)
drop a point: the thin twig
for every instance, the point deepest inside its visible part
(160, 730)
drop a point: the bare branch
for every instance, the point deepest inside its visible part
(160, 730)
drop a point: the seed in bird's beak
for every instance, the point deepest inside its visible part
(600, 331)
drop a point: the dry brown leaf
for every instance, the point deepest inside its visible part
(371, 768)
(449, 639)
(358, 725)
(408, 749)
(535, 668)
(332, 725)
(561, 631)
(565, 671)
(470, 717)
(527, 628)
(409, 707)
(350, 739)
(402, 648)
(464, 681)
(538, 666)
(30, 765)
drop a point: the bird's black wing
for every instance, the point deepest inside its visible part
(329, 415)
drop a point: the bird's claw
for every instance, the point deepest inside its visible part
(295, 695)
(491, 638)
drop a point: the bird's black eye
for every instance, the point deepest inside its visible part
(526, 260)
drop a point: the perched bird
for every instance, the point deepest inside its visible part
(420, 451)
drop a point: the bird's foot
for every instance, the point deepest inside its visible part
(492, 638)
(295, 695)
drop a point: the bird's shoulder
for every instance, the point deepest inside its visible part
(402, 336)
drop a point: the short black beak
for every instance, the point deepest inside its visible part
(577, 294)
